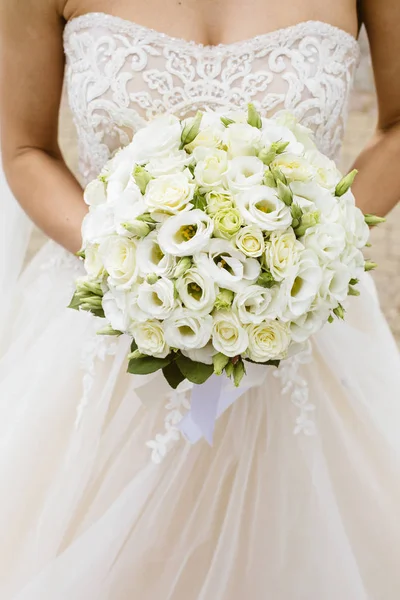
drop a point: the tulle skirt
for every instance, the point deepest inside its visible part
(102, 499)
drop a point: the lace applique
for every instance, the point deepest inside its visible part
(120, 75)
(296, 387)
(177, 406)
(61, 259)
(96, 348)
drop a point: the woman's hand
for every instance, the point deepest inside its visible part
(31, 79)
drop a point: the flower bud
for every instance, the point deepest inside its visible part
(220, 361)
(307, 220)
(135, 355)
(142, 177)
(146, 218)
(191, 130)
(339, 312)
(279, 147)
(345, 184)
(373, 220)
(253, 116)
(151, 278)
(278, 175)
(353, 291)
(91, 302)
(137, 228)
(267, 156)
(183, 266)
(88, 288)
(224, 299)
(81, 254)
(229, 369)
(285, 193)
(266, 280)
(226, 121)
(239, 372)
(109, 331)
(370, 266)
(269, 179)
(330, 319)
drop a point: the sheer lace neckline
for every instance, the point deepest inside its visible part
(91, 19)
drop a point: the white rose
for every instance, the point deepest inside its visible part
(202, 355)
(119, 258)
(326, 240)
(93, 264)
(254, 304)
(303, 134)
(294, 167)
(354, 259)
(98, 224)
(250, 241)
(353, 221)
(335, 283)
(174, 162)
(218, 200)
(300, 287)
(158, 139)
(260, 205)
(151, 259)
(149, 338)
(157, 299)
(326, 172)
(228, 336)
(197, 290)
(241, 139)
(308, 324)
(186, 233)
(209, 137)
(95, 193)
(244, 172)
(211, 167)
(227, 266)
(169, 195)
(268, 340)
(282, 251)
(185, 330)
(272, 132)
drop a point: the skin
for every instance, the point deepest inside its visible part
(32, 66)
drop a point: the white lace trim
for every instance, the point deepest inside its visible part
(177, 406)
(296, 387)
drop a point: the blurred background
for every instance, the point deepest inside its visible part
(361, 124)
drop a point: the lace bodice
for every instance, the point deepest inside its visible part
(120, 75)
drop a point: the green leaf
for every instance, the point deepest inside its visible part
(81, 254)
(239, 371)
(194, 371)
(173, 375)
(147, 365)
(220, 361)
(133, 346)
(199, 201)
(266, 279)
(354, 281)
(330, 319)
(76, 301)
(269, 363)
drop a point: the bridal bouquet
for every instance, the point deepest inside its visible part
(217, 240)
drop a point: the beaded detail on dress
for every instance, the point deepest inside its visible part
(120, 75)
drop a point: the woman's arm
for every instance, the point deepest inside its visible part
(31, 78)
(377, 186)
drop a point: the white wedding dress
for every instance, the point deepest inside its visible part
(101, 499)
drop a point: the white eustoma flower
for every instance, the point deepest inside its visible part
(294, 167)
(169, 194)
(95, 193)
(158, 139)
(157, 299)
(303, 134)
(227, 266)
(186, 233)
(309, 324)
(186, 330)
(197, 290)
(151, 259)
(352, 220)
(228, 335)
(299, 289)
(211, 167)
(260, 205)
(98, 224)
(120, 175)
(354, 259)
(326, 172)
(118, 255)
(327, 240)
(93, 264)
(150, 339)
(311, 196)
(268, 340)
(241, 139)
(272, 132)
(254, 304)
(250, 241)
(244, 172)
(335, 283)
(116, 304)
(127, 208)
(202, 355)
(174, 162)
(282, 251)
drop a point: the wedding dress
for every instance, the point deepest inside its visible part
(101, 497)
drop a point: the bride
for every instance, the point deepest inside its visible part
(100, 496)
